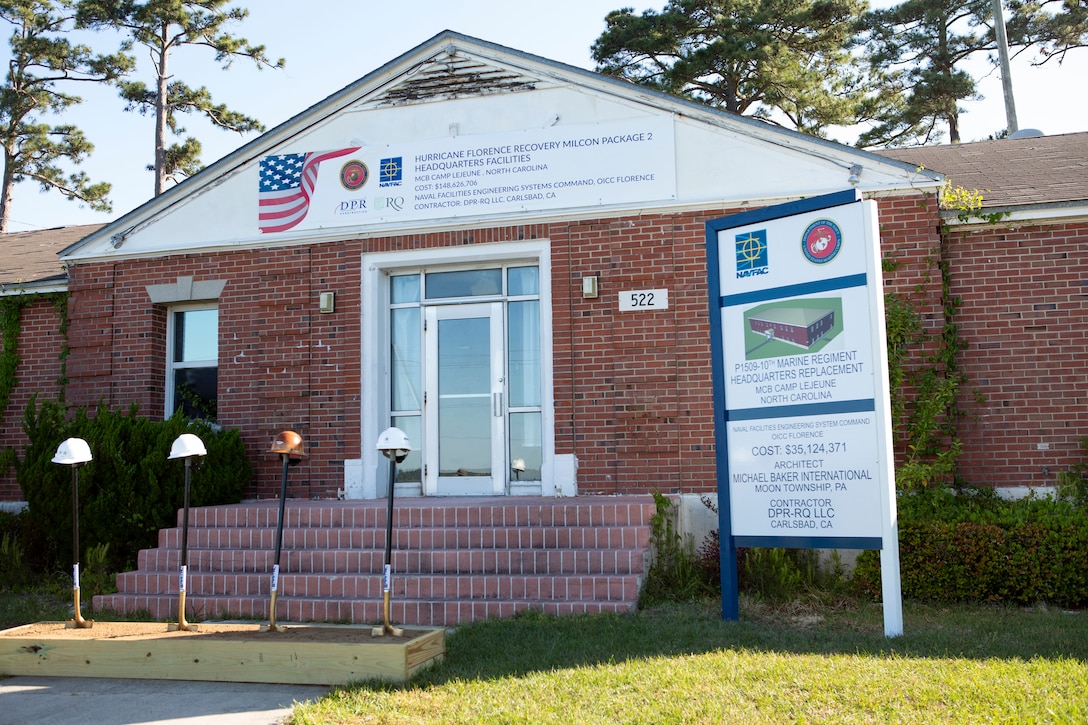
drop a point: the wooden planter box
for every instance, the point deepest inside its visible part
(301, 655)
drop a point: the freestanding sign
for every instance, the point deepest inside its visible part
(802, 412)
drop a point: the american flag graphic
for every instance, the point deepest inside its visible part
(287, 183)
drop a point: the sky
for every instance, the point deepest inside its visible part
(328, 44)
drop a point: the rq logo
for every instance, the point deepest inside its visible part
(393, 203)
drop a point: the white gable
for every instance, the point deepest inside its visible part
(460, 132)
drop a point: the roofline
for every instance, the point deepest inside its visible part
(1000, 216)
(38, 287)
(339, 234)
(443, 42)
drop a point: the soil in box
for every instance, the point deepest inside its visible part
(302, 654)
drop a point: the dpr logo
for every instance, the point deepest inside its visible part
(355, 206)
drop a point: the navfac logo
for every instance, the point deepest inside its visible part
(821, 241)
(390, 171)
(752, 254)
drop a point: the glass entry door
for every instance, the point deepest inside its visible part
(464, 407)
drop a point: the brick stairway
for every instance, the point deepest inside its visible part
(454, 560)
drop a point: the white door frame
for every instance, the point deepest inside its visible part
(367, 477)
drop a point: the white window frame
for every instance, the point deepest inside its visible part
(171, 366)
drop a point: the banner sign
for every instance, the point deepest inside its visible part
(800, 371)
(557, 167)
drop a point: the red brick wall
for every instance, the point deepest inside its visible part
(282, 365)
(634, 398)
(633, 390)
(39, 370)
(1024, 295)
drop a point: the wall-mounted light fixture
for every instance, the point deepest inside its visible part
(855, 175)
(589, 287)
(327, 302)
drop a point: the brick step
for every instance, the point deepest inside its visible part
(453, 560)
(408, 586)
(308, 539)
(335, 561)
(428, 513)
(429, 613)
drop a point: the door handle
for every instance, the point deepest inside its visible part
(496, 404)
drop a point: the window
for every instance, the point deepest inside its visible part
(192, 370)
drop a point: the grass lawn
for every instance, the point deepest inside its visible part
(802, 663)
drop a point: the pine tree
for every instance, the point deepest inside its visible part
(920, 46)
(787, 61)
(161, 27)
(1055, 26)
(43, 62)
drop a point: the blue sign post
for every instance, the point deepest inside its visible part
(802, 412)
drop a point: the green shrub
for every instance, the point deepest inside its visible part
(95, 574)
(975, 546)
(773, 575)
(14, 572)
(674, 574)
(130, 490)
(1073, 484)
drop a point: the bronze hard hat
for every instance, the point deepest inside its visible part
(290, 443)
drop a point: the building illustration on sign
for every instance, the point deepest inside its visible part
(798, 325)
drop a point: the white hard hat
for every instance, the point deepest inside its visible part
(72, 452)
(187, 445)
(394, 442)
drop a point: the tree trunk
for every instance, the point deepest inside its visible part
(7, 191)
(947, 69)
(162, 82)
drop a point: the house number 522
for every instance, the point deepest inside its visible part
(647, 299)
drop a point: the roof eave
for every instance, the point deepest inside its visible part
(47, 285)
(1000, 216)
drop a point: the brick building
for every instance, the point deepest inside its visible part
(447, 244)
(798, 325)
(1017, 272)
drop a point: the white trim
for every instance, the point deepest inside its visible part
(184, 289)
(555, 216)
(171, 366)
(29, 288)
(374, 363)
(1034, 216)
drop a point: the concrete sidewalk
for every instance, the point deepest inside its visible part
(99, 701)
